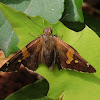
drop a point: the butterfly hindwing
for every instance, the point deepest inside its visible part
(12, 64)
(21, 57)
(68, 58)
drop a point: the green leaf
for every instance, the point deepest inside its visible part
(50, 10)
(21, 24)
(44, 98)
(17, 5)
(74, 9)
(34, 91)
(8, 38)
(74, 20)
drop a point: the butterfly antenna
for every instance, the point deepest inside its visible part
(43, 23)
(34, 35)
(33, 21)
(64, 17)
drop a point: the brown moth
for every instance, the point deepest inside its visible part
(49, 50)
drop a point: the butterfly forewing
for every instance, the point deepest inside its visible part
(27, 56)
(12, 64)
(34, 49)
(68, 58)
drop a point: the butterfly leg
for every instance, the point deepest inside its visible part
(34, 35)
(61, 96)
(61, 36)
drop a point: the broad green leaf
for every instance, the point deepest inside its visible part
(74, 20)
(34, 91)
(2, 19)
(74, 9)
(17, 5)
(20, 23)
(8, 38)
(21, 5)
(50, 10)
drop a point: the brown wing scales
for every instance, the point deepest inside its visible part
(70, 59)
(31, 62)
(27, 56)
(13, 64)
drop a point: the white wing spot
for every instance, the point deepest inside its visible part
(88, 64)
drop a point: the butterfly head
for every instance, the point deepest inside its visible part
(47, 31)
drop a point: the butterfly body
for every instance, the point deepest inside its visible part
(47, 53)
(49, 50)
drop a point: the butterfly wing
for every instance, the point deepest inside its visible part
(28, 56)
(68, 58)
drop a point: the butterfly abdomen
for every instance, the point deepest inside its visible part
(47, 52)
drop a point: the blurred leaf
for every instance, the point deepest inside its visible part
(37, 90)
(93, 23)
(74, 20)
